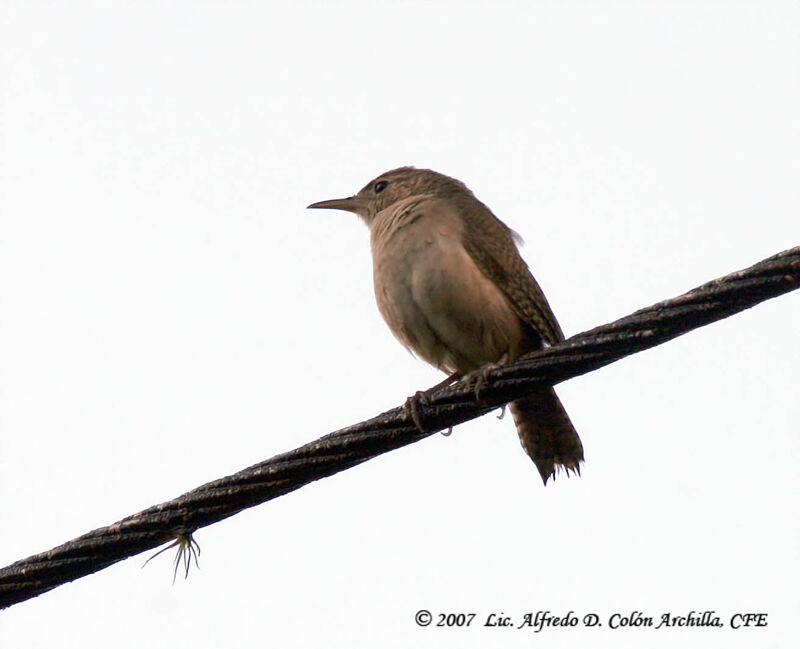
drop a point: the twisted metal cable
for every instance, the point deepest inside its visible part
(217, 500)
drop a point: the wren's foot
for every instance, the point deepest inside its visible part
(413, 402)
(412, 407)
(480, 376)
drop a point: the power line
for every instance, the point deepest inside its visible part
(217, 500)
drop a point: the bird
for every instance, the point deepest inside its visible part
(453, 288)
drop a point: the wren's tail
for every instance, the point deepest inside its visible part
(546, 433)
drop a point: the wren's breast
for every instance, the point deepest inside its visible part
(431, 293)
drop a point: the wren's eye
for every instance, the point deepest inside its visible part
(380, 186)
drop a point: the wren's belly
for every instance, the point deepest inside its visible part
(439, 304)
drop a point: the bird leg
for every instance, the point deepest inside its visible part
(480, 377)
(421, 397)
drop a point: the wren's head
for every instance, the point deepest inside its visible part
(393, 186)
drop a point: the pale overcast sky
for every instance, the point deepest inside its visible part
(170, 313)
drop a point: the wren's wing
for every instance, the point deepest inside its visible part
(490, 243)
(545, 430)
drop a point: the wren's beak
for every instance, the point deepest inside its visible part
(352, 204)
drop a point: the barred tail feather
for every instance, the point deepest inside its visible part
(547, 434)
